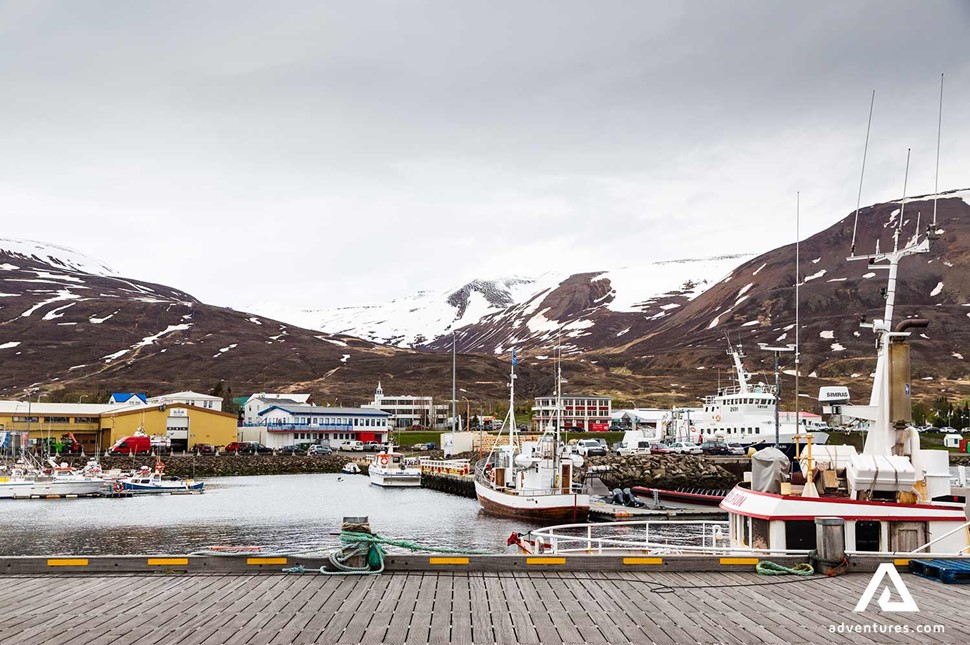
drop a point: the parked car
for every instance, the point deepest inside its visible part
(235, 446)
(431, 445)
(372, 446)
(419, 446)
(685, 448)
(348, 445)
(589, 448)
(291, 450)
(737, 449)
(659, 449)
(317, 449)
(254, 448)
(204, 449)
(715, 448)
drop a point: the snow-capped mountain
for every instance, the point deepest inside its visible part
(492, 315)
(414, 320)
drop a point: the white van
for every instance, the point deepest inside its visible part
(348, 445)
(637, 447)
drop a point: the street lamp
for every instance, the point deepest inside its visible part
(777, 351)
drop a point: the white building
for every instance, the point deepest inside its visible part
(286, 424)
(588, 413)
(639, 418)
(407, 411)
(265, 400)
(206, 401)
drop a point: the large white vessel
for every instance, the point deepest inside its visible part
(389, 469)
(532, 479)
(742, 413)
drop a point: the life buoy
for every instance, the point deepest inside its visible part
(160, 467)
(117, 487)
(717, 418)
(383, 460)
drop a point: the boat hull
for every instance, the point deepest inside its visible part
(147, 489)
(573, 507)
(27, 488)
(393, 480)
(678, 496)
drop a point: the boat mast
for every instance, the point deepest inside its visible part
(557, 477)
(881, 436)
(798, 278)
(511, 415)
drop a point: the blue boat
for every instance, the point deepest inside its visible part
(147, 481)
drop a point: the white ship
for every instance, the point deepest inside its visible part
(743, 413)
(389, 469)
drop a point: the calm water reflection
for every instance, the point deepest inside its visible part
(285, 512)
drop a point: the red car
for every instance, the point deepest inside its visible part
(659, 449)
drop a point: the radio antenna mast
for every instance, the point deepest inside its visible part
(865, 152)
(939, 131)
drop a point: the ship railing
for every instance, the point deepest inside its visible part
(655, 536)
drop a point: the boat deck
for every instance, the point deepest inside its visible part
(464, 607)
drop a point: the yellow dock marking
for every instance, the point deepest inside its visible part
(643, 560)
(265, 560)
(545, 560)
(67, 562)
(163, 561)
(739, 560)
(447, 560)
(901, 562)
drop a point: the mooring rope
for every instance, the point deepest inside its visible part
(767, 568)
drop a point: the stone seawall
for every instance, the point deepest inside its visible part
(664, 471)
(202, 466)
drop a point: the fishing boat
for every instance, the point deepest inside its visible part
(743, 413)
(389, 469)
(152, 481)
(531, 480)
(350, 468)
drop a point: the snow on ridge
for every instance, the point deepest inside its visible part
(10, 344)
(58, 256)
(936, 290)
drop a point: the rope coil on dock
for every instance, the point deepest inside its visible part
(767, 568)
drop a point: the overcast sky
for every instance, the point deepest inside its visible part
(324, 153)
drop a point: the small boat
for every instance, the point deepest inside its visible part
(390, 470)
(350, 468)
(148, 481)
(685, 497)
(531, 480)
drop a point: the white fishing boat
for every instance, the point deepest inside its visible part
(743, 413)
(152, 480)
(350, 468)
(530, 480)
(389, 469)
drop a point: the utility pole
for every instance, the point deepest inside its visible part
(454, 353)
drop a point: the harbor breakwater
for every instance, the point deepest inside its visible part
(667, 471)
(202, 466)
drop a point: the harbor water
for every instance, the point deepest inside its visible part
(289, 513)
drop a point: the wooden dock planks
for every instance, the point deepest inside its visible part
(455, 607)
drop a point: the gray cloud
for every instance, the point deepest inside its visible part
(342, 152)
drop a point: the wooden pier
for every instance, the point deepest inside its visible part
(534, 606)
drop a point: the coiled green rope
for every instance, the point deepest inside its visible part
(767, 568)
